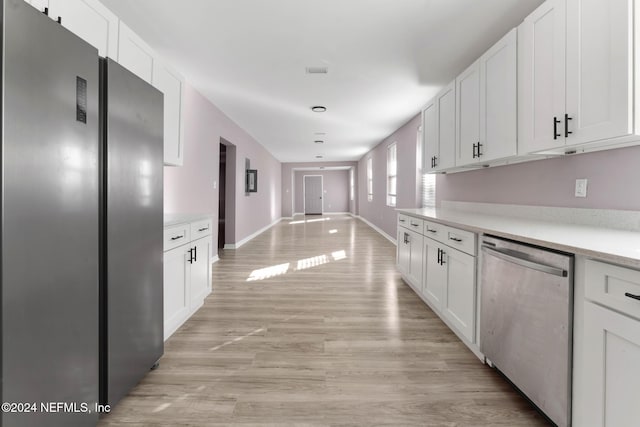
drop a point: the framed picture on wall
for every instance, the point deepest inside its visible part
(251, 185)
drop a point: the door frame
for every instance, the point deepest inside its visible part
(304, 193)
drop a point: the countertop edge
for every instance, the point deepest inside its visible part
(175, 219)
(565, 247)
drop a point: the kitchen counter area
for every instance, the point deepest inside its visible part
(571, 231)
(444, 256)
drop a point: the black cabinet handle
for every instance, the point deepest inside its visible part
(555, 128)
(442, 254)
(431, 230)
(439, 255)
(202, 229)
(630, 295)
(195, 253)
(435, 161)
(191, 256)
(455, 239)
(177, 237)
(402, 220)
(566, 125)
(406, 238)
(415, 225)
(474, 151)
(479, 153)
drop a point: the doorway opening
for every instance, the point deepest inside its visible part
(227, 195)
(222, 195)
(313, 193)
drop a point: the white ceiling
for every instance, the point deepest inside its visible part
(386, 58)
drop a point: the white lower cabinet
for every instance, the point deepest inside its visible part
(445, 274)
(610, 353)
(187, 271)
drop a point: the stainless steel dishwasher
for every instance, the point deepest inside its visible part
(526, 321)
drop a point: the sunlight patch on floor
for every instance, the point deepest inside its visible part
(303, 221)
(301, 264)
(267, 272)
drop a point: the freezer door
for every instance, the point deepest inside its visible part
(134, 229)
(49, 219)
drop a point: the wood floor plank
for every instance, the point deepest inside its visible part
(310, 324)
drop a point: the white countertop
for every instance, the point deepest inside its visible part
(607, 244)
(174, 219)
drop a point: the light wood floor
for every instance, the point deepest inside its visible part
(333, 338)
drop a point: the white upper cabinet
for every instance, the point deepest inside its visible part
(134, 54)
(91, 21)
(541, 61)
(468, 115)
(576, 82)
(430, 136)
(446, 110)
(170, 83)
(499, 100)
(599, 69)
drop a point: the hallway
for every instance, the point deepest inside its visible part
(309, 323)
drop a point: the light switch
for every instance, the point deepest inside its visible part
(581, 187)
(215, 184)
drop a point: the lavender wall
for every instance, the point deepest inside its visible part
(288, 188)
(335, 185)
(377, 212)
(613, 182)
(189, 189)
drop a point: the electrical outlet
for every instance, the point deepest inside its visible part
(215, 184)
(581, 187)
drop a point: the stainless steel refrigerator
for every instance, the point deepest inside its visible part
(132, 224)
(50, 218)
(81, 224)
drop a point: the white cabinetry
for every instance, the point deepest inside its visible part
(187, 271)
(39, 4)
(410, 256)
(447, 266)
(134, 54)
(91, 21)
(439, 123)
(140, 59)
(611, 348)
(576, 81)
(170, 83)
(487, 104)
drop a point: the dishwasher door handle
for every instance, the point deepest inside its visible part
(512, 257)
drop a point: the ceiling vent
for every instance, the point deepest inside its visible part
(317, 70)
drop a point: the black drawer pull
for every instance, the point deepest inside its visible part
(415, 225)
(202, 229)
(431, 230)
(630, 295)
(177, 237)
(455, 239)
(402, 220)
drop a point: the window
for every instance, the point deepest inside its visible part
(352, 184)
(392, 172)
(428, 180)
(370, 179)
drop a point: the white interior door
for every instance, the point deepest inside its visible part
(313, 194)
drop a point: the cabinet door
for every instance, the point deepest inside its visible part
(435, 278)
(599, 69)
(91, 21)
(170, 83)
(134, 54)
(415, 258)
(459, 304)
(430, 136)
(468, 115)
(200, 271)
(611, 369)
(541, 78)
(404, 251)
(176, 278)
(499, 99)
(446, 108)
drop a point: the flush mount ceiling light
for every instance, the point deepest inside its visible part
(320, 133)
(318, 109)
(317, 70)
(318, 157)
(319, 141)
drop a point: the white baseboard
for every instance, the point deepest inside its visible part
(248, 238)
(214, 259)
(378, 229)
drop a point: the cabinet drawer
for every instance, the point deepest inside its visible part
(614, 287)
(176, 235)
(435, 231)
(403, 220)
(462, 240)
(415, 224)
(201, 228)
